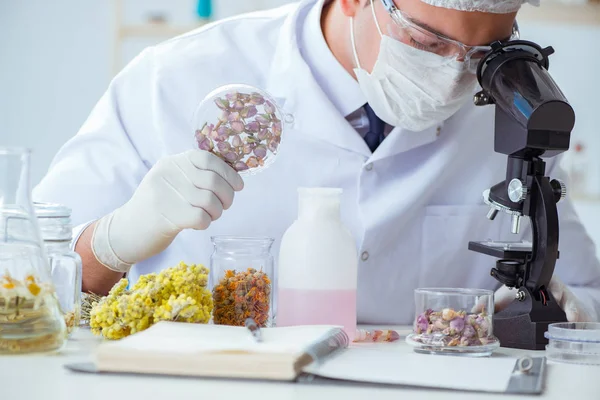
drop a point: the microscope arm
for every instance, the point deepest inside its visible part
(542, 209)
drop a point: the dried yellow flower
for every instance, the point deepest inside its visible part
(175, 294)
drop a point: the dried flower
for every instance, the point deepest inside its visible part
(231, 156)
(247, 149)
(273, 144)
(457, 325)
(237, 126)
(224, 116)
(240, 166)
(262, 134)
(269, 107)
(376, 336)
(252, 126)
(468, 331)
(252, 162)
(452, 328)
(236, 141)
(256, 99)
(260, 151)
(232, 96)
(223, 147)
(248, 126)
(224, 131)
(448, 314)
(222, 104)
(242, 295)
(234, 116)
(249, 112)
(422, 324)
(175, 294)
(263, 120)
(205, 144)
(277, 128)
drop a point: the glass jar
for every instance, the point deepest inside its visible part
(65, 265)
(30, 318)
(240, 277)
(454, 321)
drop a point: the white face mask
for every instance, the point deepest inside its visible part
(411, 88)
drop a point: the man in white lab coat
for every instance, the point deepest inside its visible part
(381, 95)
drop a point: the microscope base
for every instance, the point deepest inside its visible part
(522, 324)
(519, 332)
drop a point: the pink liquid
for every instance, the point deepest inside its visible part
(317, 307)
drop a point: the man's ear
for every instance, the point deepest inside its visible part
(351, 7)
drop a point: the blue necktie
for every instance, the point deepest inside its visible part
(375, 135)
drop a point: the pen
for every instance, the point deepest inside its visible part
(254, 329)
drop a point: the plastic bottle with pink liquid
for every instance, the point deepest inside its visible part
(318, 265)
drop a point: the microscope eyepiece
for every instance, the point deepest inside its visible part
(536, 116)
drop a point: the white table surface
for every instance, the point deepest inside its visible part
(43, 377)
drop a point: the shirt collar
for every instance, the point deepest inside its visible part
(337, 84)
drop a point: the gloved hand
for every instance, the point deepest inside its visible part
(562, 294)
(183, 191)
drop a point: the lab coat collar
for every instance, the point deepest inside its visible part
(293, 84)
(400, 140)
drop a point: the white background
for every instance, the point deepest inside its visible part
(56, 59)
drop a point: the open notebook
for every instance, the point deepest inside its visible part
(304, 354)
(172, 348)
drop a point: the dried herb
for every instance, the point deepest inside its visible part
(244, 135)
(175, 294)
(453, 328)
(242, 295)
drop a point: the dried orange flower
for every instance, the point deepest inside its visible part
(242, 295)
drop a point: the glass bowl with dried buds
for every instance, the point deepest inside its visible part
(454, 321)
(242, 125)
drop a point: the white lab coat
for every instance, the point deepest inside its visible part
(412, 206)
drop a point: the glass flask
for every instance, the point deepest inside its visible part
(454, 321)
(65, 265)
(30, 318)
(240, 277)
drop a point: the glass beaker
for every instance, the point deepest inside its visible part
(30, 318)
(65, 265)
(240, 277)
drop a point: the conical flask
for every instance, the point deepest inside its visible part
(30, 317)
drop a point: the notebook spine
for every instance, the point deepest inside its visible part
(331, 343)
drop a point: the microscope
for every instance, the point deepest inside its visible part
(532, 119)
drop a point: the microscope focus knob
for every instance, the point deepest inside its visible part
(517, 191)
(559, 188)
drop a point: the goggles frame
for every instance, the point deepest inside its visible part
(465, 53)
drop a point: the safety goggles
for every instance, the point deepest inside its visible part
(407, 31)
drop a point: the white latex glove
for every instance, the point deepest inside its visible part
(183, 191)
(562, 294)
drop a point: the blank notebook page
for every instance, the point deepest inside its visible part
(173, 337)
(449, 372)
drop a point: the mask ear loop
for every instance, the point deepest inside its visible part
(352, 32)
(375, 18)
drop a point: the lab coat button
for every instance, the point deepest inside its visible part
(369, 167)
(364, 256)
(438, 131)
